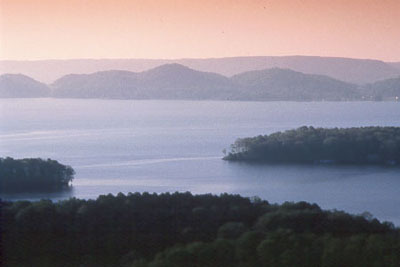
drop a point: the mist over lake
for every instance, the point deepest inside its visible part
(158, 146)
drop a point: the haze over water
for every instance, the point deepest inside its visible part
(159, 146)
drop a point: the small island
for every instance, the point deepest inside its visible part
(33, 174)
(358, 145)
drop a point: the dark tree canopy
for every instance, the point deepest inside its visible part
(364, 145)
(184, 230)
(33, 174)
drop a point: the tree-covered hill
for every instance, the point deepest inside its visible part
(364, 145)
(396, 65)
(106, 84)
(383, 90)
(18, 85)
(184, 230)
(285, 84)
(171, 81)
(178, 82)
(33, 174)
(359, 71)
(174, 81)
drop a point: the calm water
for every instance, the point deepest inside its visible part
(158, 146)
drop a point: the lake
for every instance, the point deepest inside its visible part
(159, 146)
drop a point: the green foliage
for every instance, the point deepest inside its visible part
(365, 145)
(33, 174)
(180, 229)
(285, 248)
(231, 230)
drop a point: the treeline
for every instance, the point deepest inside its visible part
(184, 230)
(33, 174)
(364, 145)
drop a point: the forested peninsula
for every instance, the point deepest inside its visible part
(33, 174)
(182, 230)
(358, 145)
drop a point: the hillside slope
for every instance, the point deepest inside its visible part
(358, 71)
(284, 84)
(170, 81)
(388, 89)
(18, 85)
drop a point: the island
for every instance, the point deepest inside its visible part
(357, 145)
(33, 174)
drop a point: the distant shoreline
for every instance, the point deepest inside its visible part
(201, 100)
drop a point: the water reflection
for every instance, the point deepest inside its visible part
(54, 194)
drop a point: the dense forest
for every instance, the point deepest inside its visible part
(181, 229)
(33, 174)
(364, 145)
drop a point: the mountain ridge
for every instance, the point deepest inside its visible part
(19, 85)
(176, 81)
(169, 81)
(286, 84)
(359, 71)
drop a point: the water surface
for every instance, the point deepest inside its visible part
(158, 146)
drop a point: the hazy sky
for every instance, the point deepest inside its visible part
(63, 29)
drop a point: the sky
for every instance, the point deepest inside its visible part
(66, 29)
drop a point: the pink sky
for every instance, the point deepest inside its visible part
(64, 29)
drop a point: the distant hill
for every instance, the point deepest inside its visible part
(170, 81)
(383, 90)
(284, 84)
(174, 81)
(48, 71)
(18, 85)
(177, 81)
(359, 71)
(395, 64)
(105, 84)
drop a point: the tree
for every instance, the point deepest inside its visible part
(33, 174)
